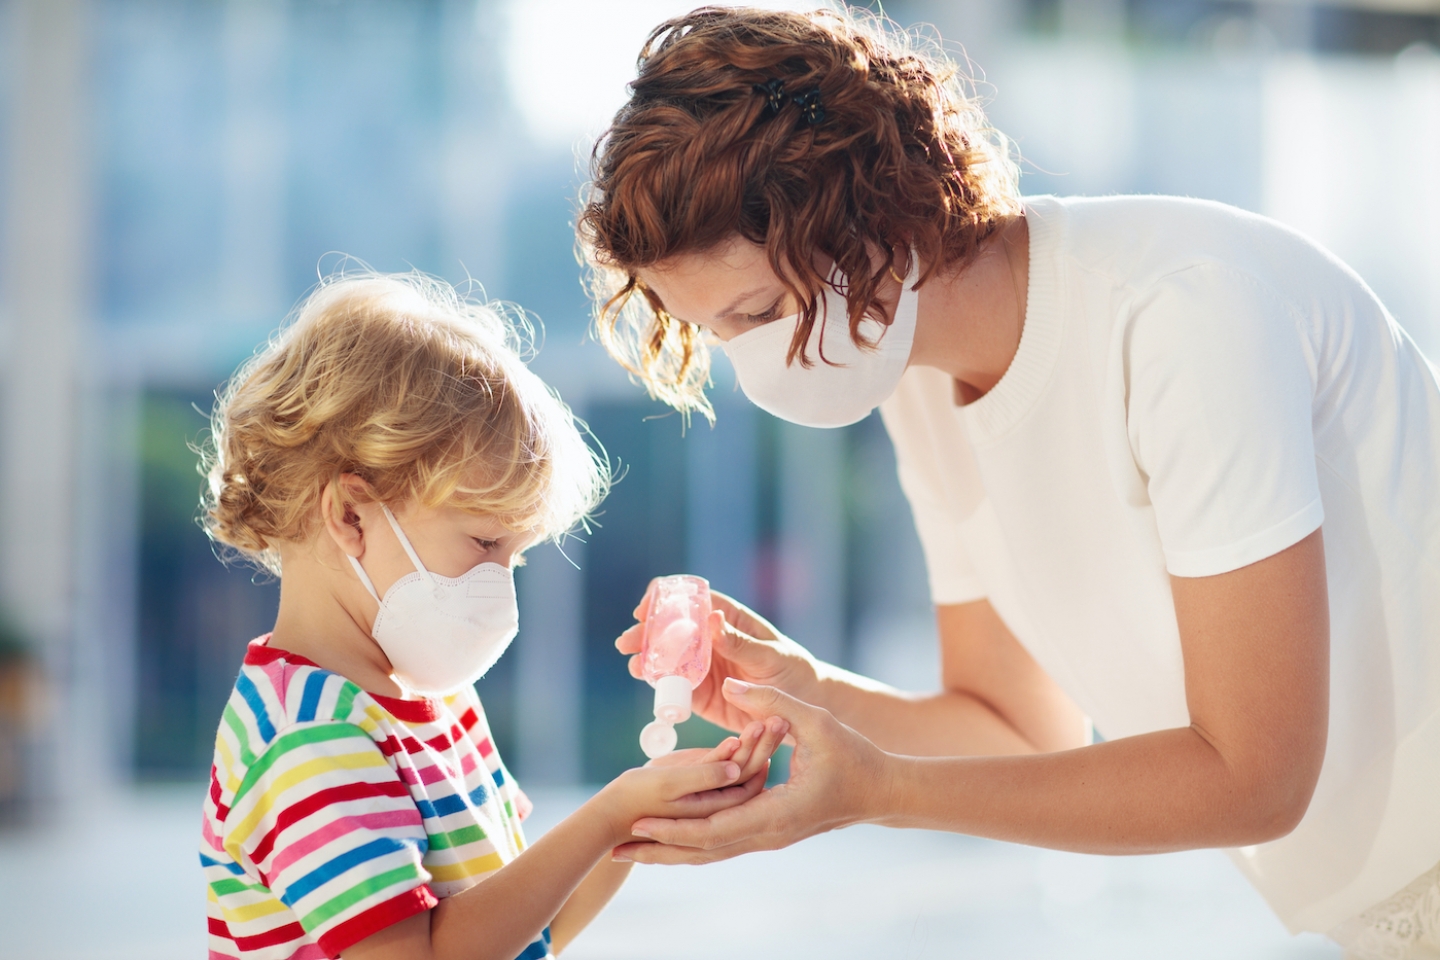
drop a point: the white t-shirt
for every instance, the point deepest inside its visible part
(1198, 388)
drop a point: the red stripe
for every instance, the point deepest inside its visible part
(469, 719)
(390, 746)
(277, 935)
(344, 936)
(221, 811)
(319, 800)
(260, 653)
(412, 746)
(438, 743)
(219, 928)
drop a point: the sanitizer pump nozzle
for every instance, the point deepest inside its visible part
(674, 654)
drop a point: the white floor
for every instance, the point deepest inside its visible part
(126, 884)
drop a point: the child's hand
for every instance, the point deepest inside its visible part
(691, 784)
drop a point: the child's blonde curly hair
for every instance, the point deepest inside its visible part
(405, 382)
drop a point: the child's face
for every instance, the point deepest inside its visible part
(449, 541)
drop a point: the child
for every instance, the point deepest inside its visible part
(390, 457)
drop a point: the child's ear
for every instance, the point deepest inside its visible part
(341, 506)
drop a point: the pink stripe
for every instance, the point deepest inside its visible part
(381, 820)
(208, 835)
(407, 774)
(432, 774)
(217, 955)
(467, 763)
(310, 951)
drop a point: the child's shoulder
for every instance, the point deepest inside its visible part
(276, 690)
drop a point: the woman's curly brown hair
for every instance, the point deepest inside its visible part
(903, 160)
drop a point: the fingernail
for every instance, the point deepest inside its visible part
(737, 686)
(637, 832)
(732, 770)
(617, 858)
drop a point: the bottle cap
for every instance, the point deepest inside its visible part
(657, 739)
(672, 699)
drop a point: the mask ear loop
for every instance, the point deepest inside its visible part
(364, 577)
(405, 542)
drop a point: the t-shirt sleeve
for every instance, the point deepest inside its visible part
(1220, 388)
(332, 831)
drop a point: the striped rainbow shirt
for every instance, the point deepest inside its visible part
(334, 813)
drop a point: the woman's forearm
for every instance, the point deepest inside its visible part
(1169, 790)
(944, 724)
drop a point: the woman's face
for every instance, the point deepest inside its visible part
(727, 290)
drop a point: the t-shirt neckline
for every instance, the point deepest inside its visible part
(424, 710)
(1006, 403)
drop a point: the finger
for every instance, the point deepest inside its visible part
(772, 734)
(631, 640)
(724, 750)
(642, 609)
(682, 781)
(636, 669)
(697, 806)
(742, 617)
(749, 736)
(761, 701)
(735, 824)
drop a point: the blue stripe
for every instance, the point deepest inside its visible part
(246, 688)
(538, 950)
(232, 866)
(442, 807)
(326, 872)
(479, 795)
(499, 777)
(310, 702)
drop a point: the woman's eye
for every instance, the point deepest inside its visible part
(770, 313)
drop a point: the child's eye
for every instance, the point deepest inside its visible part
(486, 544)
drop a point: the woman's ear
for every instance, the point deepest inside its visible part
(341, 505)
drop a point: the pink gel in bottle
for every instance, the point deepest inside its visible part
(674, 655)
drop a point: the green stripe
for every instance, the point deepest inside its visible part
(344, 702)
(233, 721)
(231, 885)
(355, 894)
(286, 742)
(456, 838)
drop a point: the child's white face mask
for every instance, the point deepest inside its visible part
(836, 393)
(442, 633)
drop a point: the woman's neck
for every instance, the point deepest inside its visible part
(970, 321)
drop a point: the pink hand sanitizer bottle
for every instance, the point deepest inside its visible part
(674, 655)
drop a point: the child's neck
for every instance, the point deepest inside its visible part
(314, 622)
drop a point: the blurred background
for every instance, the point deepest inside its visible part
(175, 174)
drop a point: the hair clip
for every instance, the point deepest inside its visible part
(774, 93)
(810, 106)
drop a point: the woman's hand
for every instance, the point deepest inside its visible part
(837, 778)
(744, 646)
(691, 783)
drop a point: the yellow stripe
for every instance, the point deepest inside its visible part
(301, 772)
(467, 868)
(252, 911)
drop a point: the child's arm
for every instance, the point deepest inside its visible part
(751, 750)
(498, 917)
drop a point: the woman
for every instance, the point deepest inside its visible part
(1173, 466)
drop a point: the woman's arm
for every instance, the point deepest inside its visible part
(995, 698)
(1256, 651)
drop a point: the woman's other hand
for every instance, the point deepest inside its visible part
(744, 646)
(837, 778)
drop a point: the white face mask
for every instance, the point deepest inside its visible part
(836, 393)
(442, 633)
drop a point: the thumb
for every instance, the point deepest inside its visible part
(761, 701)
